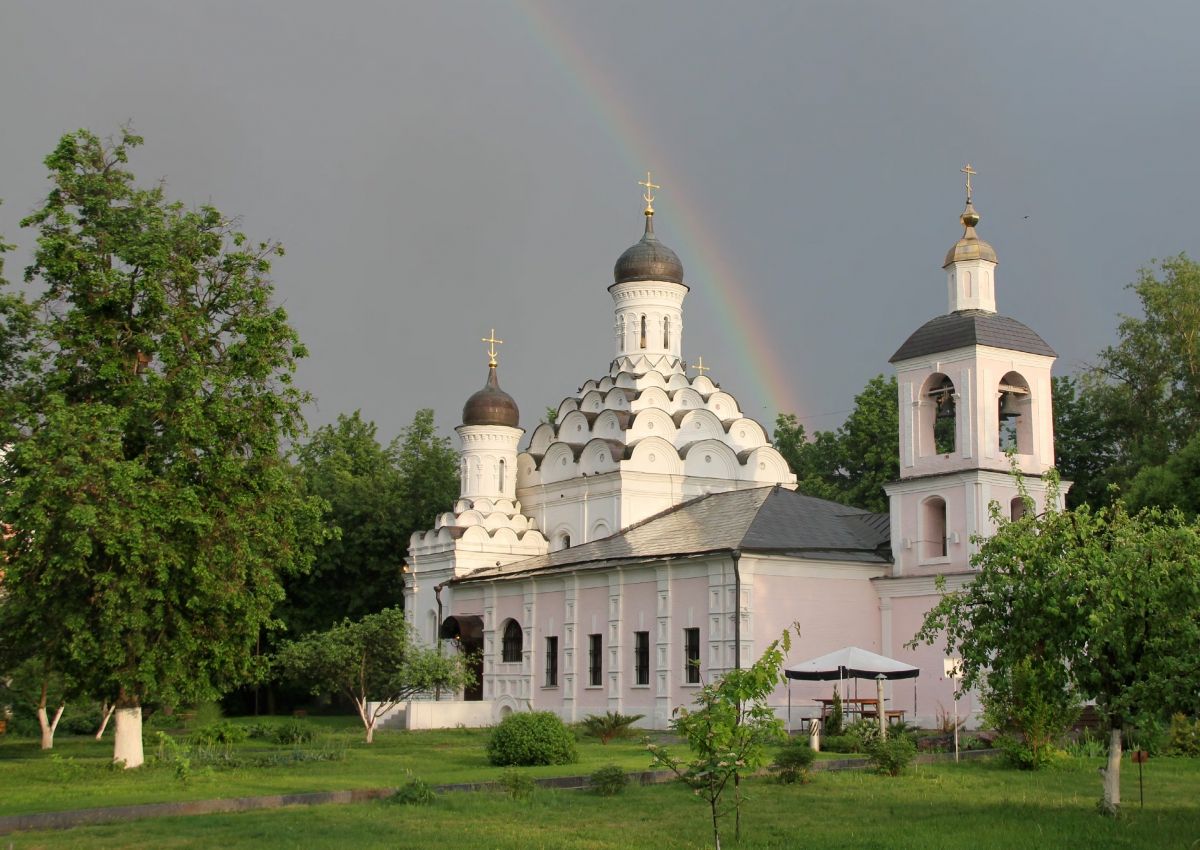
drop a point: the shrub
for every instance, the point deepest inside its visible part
(1184, 736)
(793, 761)
(839, 744)
(1020, 754)
(833, 725)
(863, 733)
(517, 785)
(205, 714)
(1030, 703)
(1088, 744)
(608, 781)
(414, 792)
(532, 737)
(222, 732)
(293, 732)
(610, 725)
(892, 755)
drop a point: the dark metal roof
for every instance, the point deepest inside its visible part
(648, 259)
(763, 519)
(491, 405)
(971, 327)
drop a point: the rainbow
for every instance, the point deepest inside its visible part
(707, 268)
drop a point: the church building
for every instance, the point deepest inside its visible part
(650, 537)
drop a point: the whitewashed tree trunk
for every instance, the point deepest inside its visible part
(127, 746)
(47, 725)
(106, 713)
(1112, 774)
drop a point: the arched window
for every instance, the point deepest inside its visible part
(643, 330)
(933, 528)
(1016, 508)
(501, 475)
(667, 333)
(564, 540)
(510, 648)
(967, 281)
(621, 332)
(939, 416)
(1014, 423)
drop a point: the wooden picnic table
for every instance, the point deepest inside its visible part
(860, 706)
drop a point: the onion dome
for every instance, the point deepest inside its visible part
(491, 405)
(648, 259)
(970, 247)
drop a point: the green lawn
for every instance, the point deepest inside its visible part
(76, 773)
(975, 805)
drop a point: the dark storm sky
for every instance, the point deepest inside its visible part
(437, 169)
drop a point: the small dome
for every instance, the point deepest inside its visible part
(491, 405)
(649, 259)
(970, 247)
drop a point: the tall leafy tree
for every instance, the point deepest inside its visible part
(1139, 405)
(852, 464)
(1098, 602)
(152, 512)
(377, 496)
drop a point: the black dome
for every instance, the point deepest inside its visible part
(971, 327)
(491, 405)
(649, 259)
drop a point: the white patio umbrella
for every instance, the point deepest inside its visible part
(849, 662)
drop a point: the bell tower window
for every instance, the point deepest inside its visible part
(667, 333)
(938, 416)
(501, 475)
(1014, 422)
(643, 345)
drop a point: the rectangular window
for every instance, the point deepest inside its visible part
(551, 661)
(594, 660)
(691, 656)
(641, 658)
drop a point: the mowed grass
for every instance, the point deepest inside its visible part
(983, 806)
(77, 774)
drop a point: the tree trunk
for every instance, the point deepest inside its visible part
(716, 829)
(106, 713)
(1112, 774)
(127, 745)
(371, 732)
(47, 725)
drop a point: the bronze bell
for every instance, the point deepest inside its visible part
(1009, 406)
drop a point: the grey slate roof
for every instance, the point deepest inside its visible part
(763, 519)
(971, 327)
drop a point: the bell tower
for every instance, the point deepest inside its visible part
(974, 396)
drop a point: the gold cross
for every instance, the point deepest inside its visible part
(491, 340)
(648, 195)
(968, 171)
(700, 367)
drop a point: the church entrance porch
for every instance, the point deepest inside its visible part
(466, 631)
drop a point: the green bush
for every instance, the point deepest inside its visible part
(1184, 736)
(892, 755)
(839, 744)
(293, 732)
(793, 761)
(863, 733)
(1020, 754)
(532, 737)
(610, 725)
(517, 785)
(205, 714)
(414, 792)
(222, 732)
(833, 725)
(608, 781)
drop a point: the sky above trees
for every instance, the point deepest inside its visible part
(435, 170)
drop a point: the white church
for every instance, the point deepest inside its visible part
(651, 537)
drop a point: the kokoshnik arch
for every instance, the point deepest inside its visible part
(651, 536)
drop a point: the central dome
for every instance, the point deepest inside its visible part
(648, 259)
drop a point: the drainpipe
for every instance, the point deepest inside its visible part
(437, 631)
(736, 554)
